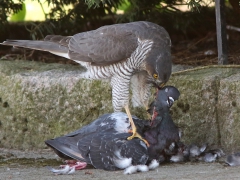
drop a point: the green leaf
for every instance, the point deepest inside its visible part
(20, 15)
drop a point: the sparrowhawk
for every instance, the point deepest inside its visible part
(138, 52)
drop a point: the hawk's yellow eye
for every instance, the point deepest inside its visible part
(155, 76)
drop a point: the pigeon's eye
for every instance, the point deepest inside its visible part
(155, 76)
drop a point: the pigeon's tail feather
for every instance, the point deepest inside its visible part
(65, 150)
(52, 47)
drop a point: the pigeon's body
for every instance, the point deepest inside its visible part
(103, 143)
(164, 134)
(162, 140)
(104, 147)
(107, 125)
(112, 151)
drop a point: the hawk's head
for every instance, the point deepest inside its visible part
(159, 66)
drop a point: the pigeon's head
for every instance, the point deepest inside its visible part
(165, 98)
(167, 95)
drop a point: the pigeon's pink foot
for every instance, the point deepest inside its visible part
(75, 164)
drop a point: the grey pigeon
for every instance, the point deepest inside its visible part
(102, 145)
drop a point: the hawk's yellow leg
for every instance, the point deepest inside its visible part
(134, 129)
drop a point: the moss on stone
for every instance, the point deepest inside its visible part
(40, 101)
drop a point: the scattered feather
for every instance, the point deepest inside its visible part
(233, 159)
(72, 170)
(203, 148)
(177, 158)
(64, 170)
(208, 157)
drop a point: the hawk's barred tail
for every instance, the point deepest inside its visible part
(51, 47)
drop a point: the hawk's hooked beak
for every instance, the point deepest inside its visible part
(159, 86)
(162, 85)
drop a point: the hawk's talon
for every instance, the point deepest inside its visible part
(146, 142)
(138, 136)
(130, 137)
(134, 129)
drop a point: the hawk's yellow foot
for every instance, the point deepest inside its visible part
(134, 129)
(138, 136)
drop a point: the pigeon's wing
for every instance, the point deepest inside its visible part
(102, 123)
(135, 149)
(66, 146)
(117, 121)
(98, 150)
(111, 151)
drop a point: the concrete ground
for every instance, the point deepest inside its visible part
(32, 165)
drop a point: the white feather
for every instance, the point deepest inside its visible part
(203, 148)
(153, 165)
(122, 124)
(130, 170)
(210, 157)
(64, 170)
(142, 168)
(72, 170)
(176, 158)
(121, 162)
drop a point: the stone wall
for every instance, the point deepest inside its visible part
(40, 101)
(208, 110)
